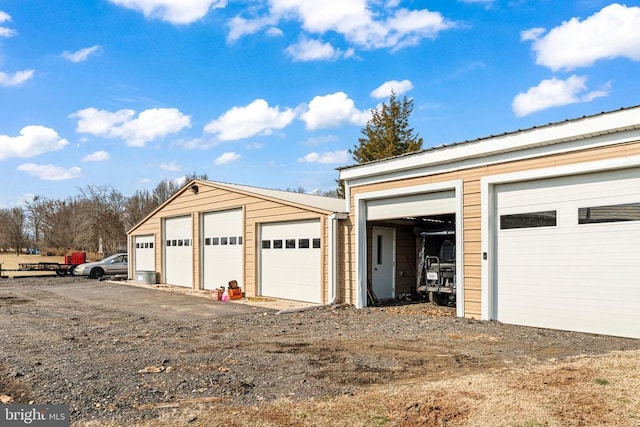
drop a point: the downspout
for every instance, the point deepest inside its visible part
(130, 258)
(333, 259)
(332, 264)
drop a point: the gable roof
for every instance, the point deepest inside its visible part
(330, 204)
(327, 205)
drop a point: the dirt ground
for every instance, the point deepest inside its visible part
(131, 355)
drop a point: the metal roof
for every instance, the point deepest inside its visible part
(330, 204)
(490, 137)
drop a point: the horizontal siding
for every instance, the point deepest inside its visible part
(256, 211)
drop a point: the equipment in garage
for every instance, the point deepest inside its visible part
(436, 277)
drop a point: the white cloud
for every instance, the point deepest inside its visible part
(80, 55)
(364, 24)
(313, 50)
(319, 140)
(239, 27)
(171, 167)
(333, 110)
(50, 172)
(136, 132)
(554, 93)
(398, 87)
(4, 31)
(32, 141)
(256, 118)
(98, 156)
(340, 156)
(19, 77)
(16, 79)
(532, 34)
(227, 158)
(274, 32)
(254, 146)
(488, 4)
(409, 27)
(173, 11)
(152, 124)
(610, 33)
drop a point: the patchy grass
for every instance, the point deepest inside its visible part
(552, 394)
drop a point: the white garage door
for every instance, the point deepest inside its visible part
(144, 254)
(222, 248)
(178, 245)
(434, 203)
(568, 253)
(290, 260)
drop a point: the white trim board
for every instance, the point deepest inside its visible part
(603, 128)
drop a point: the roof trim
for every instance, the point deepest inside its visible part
(584, 127)
(320, 204)
(314, 203)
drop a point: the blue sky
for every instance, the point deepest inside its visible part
(274, 93)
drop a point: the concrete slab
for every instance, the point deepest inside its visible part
(276, 304)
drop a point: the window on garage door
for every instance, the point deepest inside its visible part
(528, 220)
(610, 213)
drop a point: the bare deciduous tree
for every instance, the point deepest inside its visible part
(138, 206)
(34, 210)
(13, 222)
(105, 207)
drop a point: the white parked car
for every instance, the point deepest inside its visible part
(114, 264)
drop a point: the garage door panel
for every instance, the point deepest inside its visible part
(178, 247)
(571, 314)
(223, 244)
(573, 276)
(435, 203)
(295, 272)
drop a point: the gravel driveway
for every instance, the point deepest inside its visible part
(122, 354)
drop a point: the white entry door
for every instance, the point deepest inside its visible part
(144, 256)
(383, 259)
(178, 251)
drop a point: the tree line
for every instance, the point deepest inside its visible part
(95, 220)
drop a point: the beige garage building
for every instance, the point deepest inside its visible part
(273, 243)
(546, 223)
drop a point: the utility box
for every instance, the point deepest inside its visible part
(78, 258)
